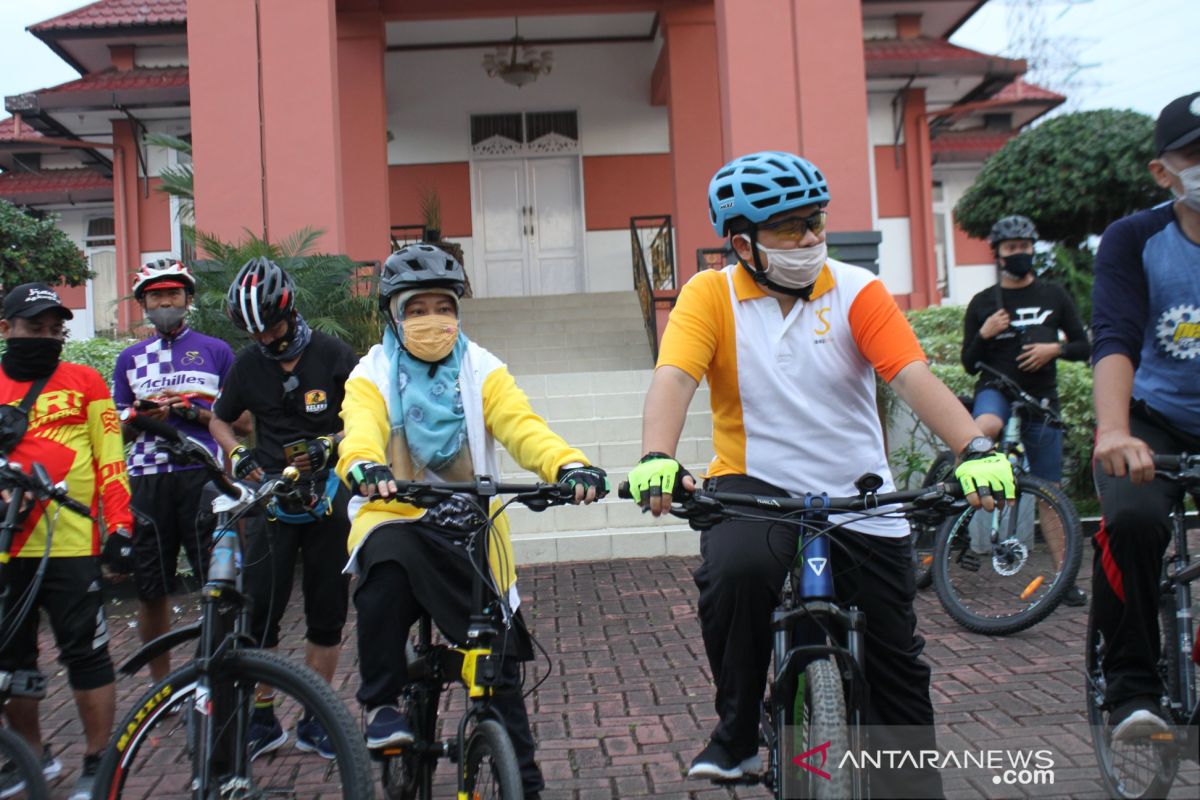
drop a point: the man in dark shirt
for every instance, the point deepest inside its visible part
(292, 379)
(1014, 327)
(1146, 320)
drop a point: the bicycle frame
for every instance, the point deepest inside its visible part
(475, 663)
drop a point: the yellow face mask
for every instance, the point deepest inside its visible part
(430, 338)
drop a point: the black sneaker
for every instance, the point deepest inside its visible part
(1075, 597)
(387, 727)
(86, 785)
(265, 734)
(1137, 718)
(716, 764)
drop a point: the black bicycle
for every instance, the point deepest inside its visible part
(1006, 570)
(817, 696)
(194, 735)
(1147, 767)
(20, 762)
(487, 764)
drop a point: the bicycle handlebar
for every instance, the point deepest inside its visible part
(702, 503)
(187, 449)
(1182, 467)
(536, 496)
(1008, 384)
(38, 483)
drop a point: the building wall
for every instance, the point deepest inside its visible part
(974, 266)
(624, 140)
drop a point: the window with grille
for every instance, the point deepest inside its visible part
(101, 232)
(531, 133)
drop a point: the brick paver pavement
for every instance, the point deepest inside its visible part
(628, 701)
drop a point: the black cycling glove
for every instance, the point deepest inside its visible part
(244, 461)
(368, 474)
(588, 477)
(118, 552)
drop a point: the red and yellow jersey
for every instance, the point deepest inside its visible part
(75, 434)
(793, 398)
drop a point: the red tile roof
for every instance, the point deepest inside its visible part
(921, 48)
(1019, 91)
(52, 180)
(6, 130)
(117, 14)
(112, 80)
(970, 141)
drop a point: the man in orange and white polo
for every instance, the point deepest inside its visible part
(790, 342)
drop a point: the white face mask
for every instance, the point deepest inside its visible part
(1190, 178)
(794, 268)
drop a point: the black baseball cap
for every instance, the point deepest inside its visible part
(1178, 123)
(31, 299)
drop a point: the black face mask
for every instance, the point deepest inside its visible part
(31, 358)
(1018, 265)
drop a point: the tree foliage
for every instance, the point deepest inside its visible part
(1072, 175)
(33, 249)
(333, 293)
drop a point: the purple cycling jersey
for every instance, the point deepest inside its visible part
(189, 363)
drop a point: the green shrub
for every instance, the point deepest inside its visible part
(100, 354)
(939, 329)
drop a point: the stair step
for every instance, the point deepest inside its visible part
(663, 539)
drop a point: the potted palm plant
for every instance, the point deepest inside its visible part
(431, 213)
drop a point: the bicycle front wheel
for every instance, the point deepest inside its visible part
(820, 735)
(491, 767)
(1004, 571)
(153, 752)
(22, 769)
(1136, 769)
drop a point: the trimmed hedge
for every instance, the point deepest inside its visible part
(100, 354)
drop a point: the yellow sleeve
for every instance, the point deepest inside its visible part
(365, 420)
(108, 454)
(510, 418)
(690, 339)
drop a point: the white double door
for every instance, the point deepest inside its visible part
(528, 226)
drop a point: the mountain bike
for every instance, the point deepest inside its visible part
(191, 734)
(487, 763)
(1148, 767)
(1004, 571)
(817, 695)
(36, 486)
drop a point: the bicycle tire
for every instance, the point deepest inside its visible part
(924, 536)
(247, 668)
(1011, 592)
(1132, 771)
(826, 721)
(502, 781)
(408, 774)
(16, 751)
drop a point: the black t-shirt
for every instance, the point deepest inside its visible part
(1037, 313)
(310, 409)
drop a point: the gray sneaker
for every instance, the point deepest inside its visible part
(13, 784)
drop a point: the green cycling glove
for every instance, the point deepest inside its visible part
(992, 472)
(655, 473)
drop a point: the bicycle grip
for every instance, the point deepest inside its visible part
(155, 427)
(1168, 463)
(623, 491)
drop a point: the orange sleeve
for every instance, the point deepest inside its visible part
(690, 339)
(108, 454)
(881, 332)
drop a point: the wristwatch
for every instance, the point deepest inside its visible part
(976, 448)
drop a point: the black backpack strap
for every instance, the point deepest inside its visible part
(32, 395)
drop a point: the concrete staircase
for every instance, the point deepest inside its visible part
(552, 334)
(585, 363)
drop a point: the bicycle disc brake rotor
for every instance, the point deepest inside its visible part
(1009, 556)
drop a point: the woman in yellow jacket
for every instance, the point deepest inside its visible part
(430, 404)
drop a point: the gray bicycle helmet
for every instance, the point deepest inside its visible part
(261, 295)
(419, 266)
(1012, 227)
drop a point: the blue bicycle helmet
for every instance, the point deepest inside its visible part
(760, 185)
